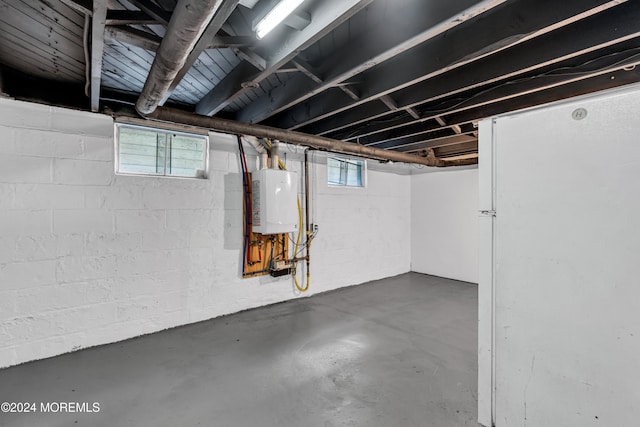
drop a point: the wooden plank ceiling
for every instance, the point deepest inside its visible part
(409, 75)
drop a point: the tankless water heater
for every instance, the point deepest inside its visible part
(274, 201)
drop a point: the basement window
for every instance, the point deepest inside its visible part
(157, 152)
(345, 172)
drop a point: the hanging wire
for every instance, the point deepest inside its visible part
(247, 204)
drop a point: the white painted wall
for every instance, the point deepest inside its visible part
(88, 258)
(444, 223)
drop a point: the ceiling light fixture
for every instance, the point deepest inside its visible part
(276, 16)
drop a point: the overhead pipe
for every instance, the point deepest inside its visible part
(172, 115)
(188, 21)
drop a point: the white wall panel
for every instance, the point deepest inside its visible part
(444, 222)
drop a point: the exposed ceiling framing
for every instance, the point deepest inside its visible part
(406, 76)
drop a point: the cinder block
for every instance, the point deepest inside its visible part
(83, 268)
(81, 122)
(206, 238)
(98, 148)
(126, 287)
(24, 114)
(25, 223)
(7, 305)
(82, 220)
(102, 290)
(7, 196)
(68, 146)
(169, 281)
(119, 287)
(34, 142)
(83, 172)
(7, 248)
(142, 263)
(187, 220)
(151, 306)
(164, 239)
(53, 297)
(139, 308)
(69, 244)
(25, 329)
(48, 196)
(218, 161)
(17, 169)
(137, 180)
(43, 143)
(7, 139)
(19, 275)
(179, 260)
(113, 197)
(112, 243)
(202, 258)
(139, 220)
(35, 248)
(84, 318)
(165, 197)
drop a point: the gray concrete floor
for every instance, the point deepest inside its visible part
(395, 352)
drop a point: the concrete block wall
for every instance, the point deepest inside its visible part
(365, 233)
(444, 224)
(88, 257)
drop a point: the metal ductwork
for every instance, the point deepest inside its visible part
(172, 115)
(188, 21)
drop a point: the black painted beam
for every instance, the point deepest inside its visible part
(153, 10)
(452, 150)
(479, 40)
(83, 6)
(134, 37)
(508, 90)
(129, 17)
(603, 81)
(403, 25)
(325, 18)
(615, 27)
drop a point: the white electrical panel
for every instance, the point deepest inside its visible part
(274, 202)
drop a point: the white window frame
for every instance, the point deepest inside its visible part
(116, 138)
(341, 158)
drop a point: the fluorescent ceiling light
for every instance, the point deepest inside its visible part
(276, 16)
